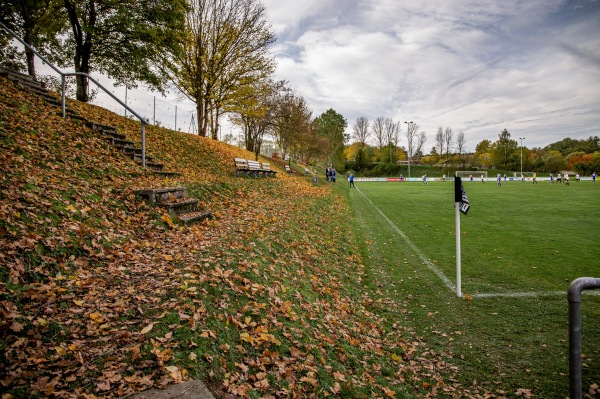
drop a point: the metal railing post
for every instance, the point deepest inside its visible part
(143, 144)
(574, 298)
(64, 95)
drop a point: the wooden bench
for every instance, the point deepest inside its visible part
(266, 168)
(241, 166)
(255, 168)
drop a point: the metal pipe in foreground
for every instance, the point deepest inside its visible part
(574, 297)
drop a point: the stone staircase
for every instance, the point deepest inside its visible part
(173, 199)
(176, 202)
(109, 133)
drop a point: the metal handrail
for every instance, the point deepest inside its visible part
(574, 298)
(63, 89)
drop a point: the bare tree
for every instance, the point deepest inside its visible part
(223, 57)
(421, 139)
(460, 142)
(448, 135)
(439, 140)
(411, 136)
(361, 130)
(378, 129)
(391, 131)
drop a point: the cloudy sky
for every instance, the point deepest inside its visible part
(477, 66)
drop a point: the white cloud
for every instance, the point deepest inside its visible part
(477, 66)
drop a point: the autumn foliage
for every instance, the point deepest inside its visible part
(102, 295)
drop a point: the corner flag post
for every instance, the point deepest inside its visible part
(461, 204)
(458, 260)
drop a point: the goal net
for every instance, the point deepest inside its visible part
(467, 174)
(525, 175)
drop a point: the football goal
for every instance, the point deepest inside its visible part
(475, 174)
(526, 175)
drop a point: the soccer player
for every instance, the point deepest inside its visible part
(577, 177)
(351, 179)
(567, 179)
(535, 178)
(483, 181)
(424, 179)
(499, 179)
(551, 179)
(594, 177)
(471, 178)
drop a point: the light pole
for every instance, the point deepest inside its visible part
(409, 144)
(521, 138)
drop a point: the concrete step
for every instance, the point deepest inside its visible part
(103, 128)
(152, 165)
(194, 217)
(164, 173)
(21, 79)
(179, 206)
(155, 195)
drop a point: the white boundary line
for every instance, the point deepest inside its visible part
(449, 284)
(421, 255)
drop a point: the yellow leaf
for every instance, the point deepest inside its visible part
(396, 358)
(96, 316)
(78, 302)
(71, 208)
(147, 329)
(193, 357)
(60, 351)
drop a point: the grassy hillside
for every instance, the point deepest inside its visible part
(101, 296)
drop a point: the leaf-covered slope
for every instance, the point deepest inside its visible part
(100, 297)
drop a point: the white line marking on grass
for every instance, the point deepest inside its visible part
(421, 255)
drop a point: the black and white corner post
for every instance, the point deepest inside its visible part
(461, 204)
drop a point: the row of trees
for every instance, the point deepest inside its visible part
(505, 153)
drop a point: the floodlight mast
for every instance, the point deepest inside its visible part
(409, 144)
(521, 138)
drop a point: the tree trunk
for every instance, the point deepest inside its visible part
(199, 113)
(83, 46)
(28, 27)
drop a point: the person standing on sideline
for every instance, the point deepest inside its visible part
(499, 179)
(471, 178)
(577, 177)
(594, 177)
(401, 177)
(351, 179)
(534, 178)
